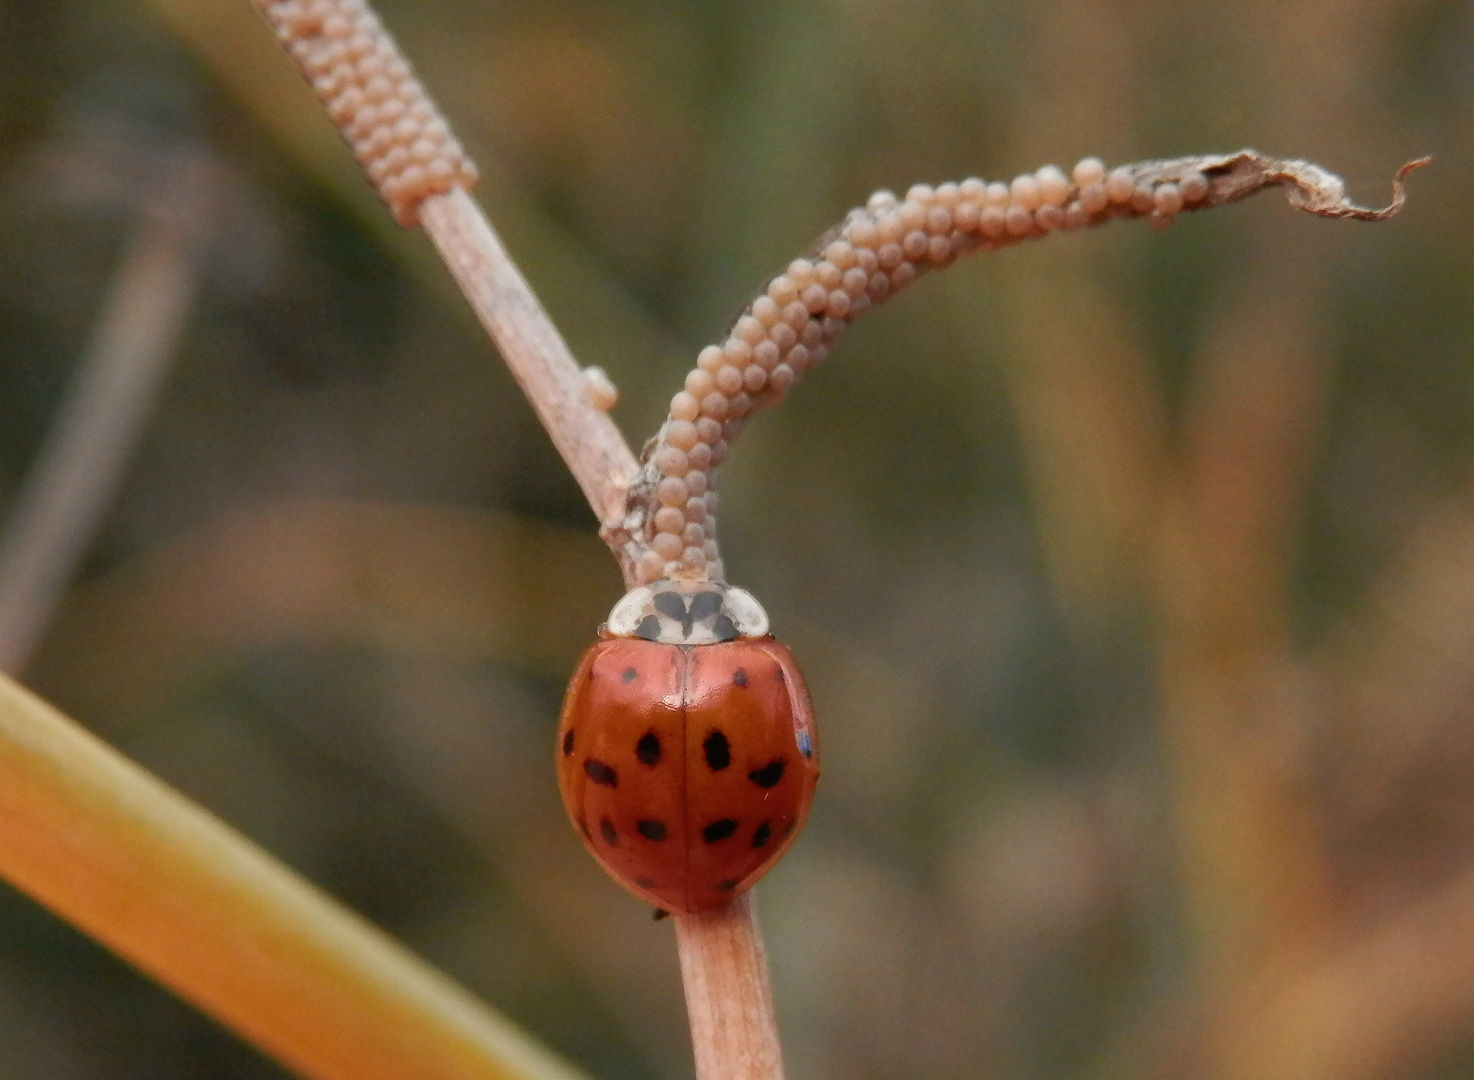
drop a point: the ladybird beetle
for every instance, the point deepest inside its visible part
(687, 754)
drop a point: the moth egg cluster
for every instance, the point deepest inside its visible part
(394, 129)
(879, 250)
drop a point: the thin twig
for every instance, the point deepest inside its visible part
(88, 447)
(193, 903)
(725, 972)
(587, 439)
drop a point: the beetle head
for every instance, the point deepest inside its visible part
(676, 612)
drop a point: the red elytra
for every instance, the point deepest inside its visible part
(688, 769)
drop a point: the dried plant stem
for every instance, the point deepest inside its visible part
(87, 449)
(726, 978)
(153, 876)
(587, 439)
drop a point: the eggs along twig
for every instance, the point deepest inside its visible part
(879, 250)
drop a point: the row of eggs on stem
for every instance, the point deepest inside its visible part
(373, 97)
(791, 326)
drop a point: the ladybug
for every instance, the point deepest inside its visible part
(686, 751)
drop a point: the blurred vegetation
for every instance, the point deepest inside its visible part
(1132, 573)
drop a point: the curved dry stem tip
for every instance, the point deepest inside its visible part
(1309, 187)
(1316, 191)
(1312, 189)
(1346, 209)
(878, 250)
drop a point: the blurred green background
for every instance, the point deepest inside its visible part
(1133, 573)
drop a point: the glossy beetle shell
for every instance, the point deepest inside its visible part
(687, 769)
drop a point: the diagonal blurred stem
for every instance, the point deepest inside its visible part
(1234, 714)
(1387, 1000)
(131, 862)
(86, 452)
(1090, 417)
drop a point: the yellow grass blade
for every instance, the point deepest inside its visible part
(120, 855)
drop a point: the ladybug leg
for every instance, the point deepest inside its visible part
(660, 913)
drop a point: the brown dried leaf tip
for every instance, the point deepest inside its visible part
(370, 92)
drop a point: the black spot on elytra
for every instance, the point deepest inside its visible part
(606, 830)
(727, 886)
(649, 628)
(723, 629)
(648, 748)
(718, 751)
(600, 773)
(781, 676)
(650, 830)
(769, 774)
(644, 883)
(719, 830)
(628, 675)
(762, 834)
(568, 742)
(739, 677)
